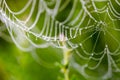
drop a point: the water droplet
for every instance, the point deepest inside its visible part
(81, 44)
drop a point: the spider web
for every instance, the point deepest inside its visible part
(89, 27)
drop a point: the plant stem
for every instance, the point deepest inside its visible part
(66, 56)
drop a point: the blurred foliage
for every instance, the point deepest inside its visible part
(17, 65)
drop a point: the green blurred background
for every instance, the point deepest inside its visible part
(45, 64)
